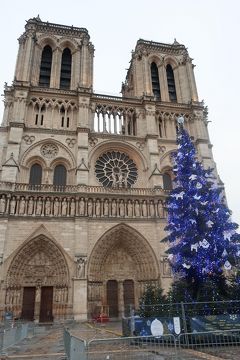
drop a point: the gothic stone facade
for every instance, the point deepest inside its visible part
(84, 176)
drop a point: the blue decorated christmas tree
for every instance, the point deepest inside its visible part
(204, 245)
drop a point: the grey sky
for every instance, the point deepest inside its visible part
(209, 28)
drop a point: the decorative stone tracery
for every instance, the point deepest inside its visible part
(115, 169)
(49, 150)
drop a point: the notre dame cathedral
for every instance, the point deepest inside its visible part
(84, 176)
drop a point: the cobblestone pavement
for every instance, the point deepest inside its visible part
(47, 344)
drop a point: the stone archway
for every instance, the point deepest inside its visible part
(37, 281)
(121, 256)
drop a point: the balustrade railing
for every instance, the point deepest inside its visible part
(43, 188)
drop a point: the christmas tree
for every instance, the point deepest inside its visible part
(204, 244)
(152, 302)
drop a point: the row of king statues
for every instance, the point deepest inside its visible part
(80, 206)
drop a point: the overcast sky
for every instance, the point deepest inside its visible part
(210, 29)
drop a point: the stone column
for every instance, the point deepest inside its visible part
(120, 300)
(191, 78)
(56, 68)
(163, 83)
(79, 299)
(37, 304)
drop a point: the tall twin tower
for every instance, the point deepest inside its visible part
(84, 176)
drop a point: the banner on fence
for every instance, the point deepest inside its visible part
(215, 322)
(157, 326)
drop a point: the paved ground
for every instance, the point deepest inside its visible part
(47, 344)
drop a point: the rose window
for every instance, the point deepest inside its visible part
(49, 150)
(116, 170)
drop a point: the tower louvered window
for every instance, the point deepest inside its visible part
(35, 175)
(171, 83)
(155, 82)
(60, 176)
(66, 67)
(45, 67)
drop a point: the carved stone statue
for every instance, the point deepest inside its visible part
(114, 208)
(81, 264)
(2, 204)
(56, 207)
(160, 209)
(125, 183)
(129, 208)
(120, 179)
(98, 208)
(166, 267)
(144, 208)
(105, 207)
(137, 208)
(81, 207)
(13, 205)
(39, 206)
(152, 209)
(121, 208)
(30, 206)
(72, 207)
(22, 204)
(48, 207)
(90, 207)
(114, 179)
(64, 207)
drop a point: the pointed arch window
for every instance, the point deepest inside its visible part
(60, 176)
(45, 67)
(66, 67)
(35, 175)
(167, 181)
(155, 81)
(171, 83)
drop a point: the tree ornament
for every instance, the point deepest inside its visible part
(180, 195)
(205, 244)
(170, 257)
(186, 266)
(228, 234)
(193, 177)
(227, 265)
(224, 253)
(209, 223)
(198, 185)
(196, 197)
(194, 247)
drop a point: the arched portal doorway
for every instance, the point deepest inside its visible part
(37, 282)
(121, 264)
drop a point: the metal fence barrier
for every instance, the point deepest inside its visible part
(188, 346)
(133, 348)
(215, 344)
(13, 335)
(75, 347)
